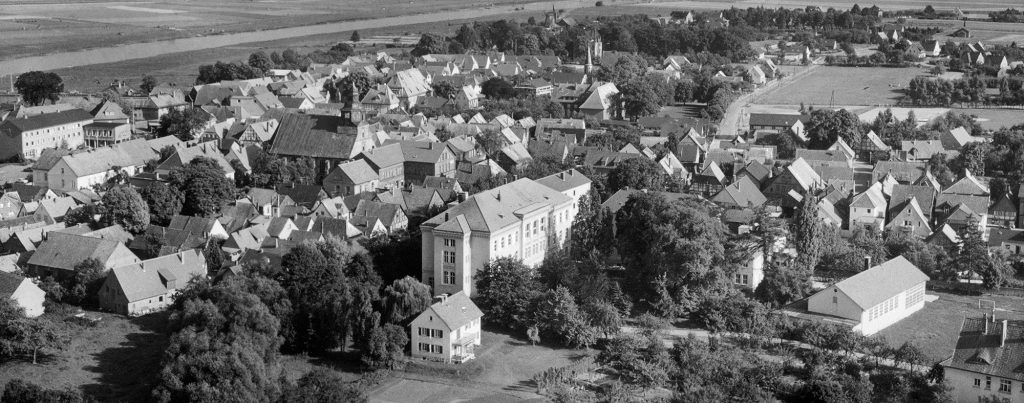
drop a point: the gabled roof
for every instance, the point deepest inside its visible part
(156, 277)
(565, 180)
(803, 173)
(9, 283)
(496, 208)
(871, 198)
(194, 225)
(983, 348)
(64, 251)
(925, 196)
(45, 120)
(357, 171)
(455, 311)
(776, 120)
(743, 193)
(875, 142)
(877, 284)
(317, 136)
(421, 151)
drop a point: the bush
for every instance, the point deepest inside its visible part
(599, 4)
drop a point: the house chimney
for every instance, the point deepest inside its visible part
(867, 262)
(1002, 337)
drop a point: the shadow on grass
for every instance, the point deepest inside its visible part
(129, 371)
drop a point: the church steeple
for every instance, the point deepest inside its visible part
(355, 107)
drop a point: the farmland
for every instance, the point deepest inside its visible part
(36, 27)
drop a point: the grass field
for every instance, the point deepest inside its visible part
(996, 119)
(851, 86)
(116, 360)
(935, 328)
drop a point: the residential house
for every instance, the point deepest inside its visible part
(58, 255)
(150, 285)
(182, 156)
(986, 361)
(874, 298)
(302, 194)
(202, 226)
(390, 216)
(517, 219)
(84, 170)
(967, 198)
(29, 134)
(328, 140)
(909, 218)
(602, 102)
(408, 86)
(422, 159)
(388, 163)
(351, 178)
(448, 330)
(1003, 213)
(708, 181)
(26, 294)
(798, 177)
(743, 193)
(867, 209)
(792, 124)
(749, 275)
(824, 158)
(267, 201)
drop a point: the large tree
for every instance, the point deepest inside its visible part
(825, 126)
(185, 124)
(204, 187)
(148, 83)
(505, 289)
(323, 385)
(637, 173)
(430, 43)
(560, 317)
(163, 201)
(641, 97)
(37, 87)
(497, 88)
(125, 207)
(404, 299)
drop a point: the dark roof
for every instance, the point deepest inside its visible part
(984, 348)
(314, 136)
(901, 194)
(45, 120)
(619, 199)
(776, 120)
(9, 283)
(300, 193)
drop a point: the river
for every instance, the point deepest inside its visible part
(151, 49)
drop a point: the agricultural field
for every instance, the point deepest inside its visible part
(851, 86)
(37, 27)
(995, 119)
(980, 6)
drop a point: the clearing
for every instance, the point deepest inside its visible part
(935, 328)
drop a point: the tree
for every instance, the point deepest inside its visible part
(86, 283)
(637, 173)
(467, 36)
(404, 299)
(445, 89)
(125, 207)
(497, 88)
(37, 87)
(323, 385)
(261, 62)
(186, 124)
(148, 83)
(203, 186)
(640, 97)
(782, 284)
(505, 289)
(355, 37)
(605, 317)
(639, 360)
(561, 317)
(825, 126)
(385, 346)
(360, 79)
(430, 43)
(807, 231)
(163, 201)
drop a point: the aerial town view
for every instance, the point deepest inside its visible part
(433, 201)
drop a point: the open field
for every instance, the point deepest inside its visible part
(851, 85)
(116, 360)
(935, 328)
(37, 27)
(995, 119)
(982, 5)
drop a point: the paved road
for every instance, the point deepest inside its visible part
(144, 50)
(732, 123)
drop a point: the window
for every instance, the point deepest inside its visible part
(977, 382)
(436, 349)
(1005, 385)
(449, 277)
(449, 257)
(437, 334)
(906, 223)
(424, 347)
(741, 279)
(835, 299)
(450, 243)
(988, 382)
(424, 332)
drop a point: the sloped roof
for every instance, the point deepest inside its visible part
(421, 151)
(870, 198)
(565, 180)
(925, 196)
(872, 286)
(357, 171)
(42, 121)
(496, 208)
(601, 98)
(874, 141)
(149, 278)
(317, 136)
(986, 352)
(803, 173)
(456, 310)
(743, 193)
(64, 251)
(776, 120)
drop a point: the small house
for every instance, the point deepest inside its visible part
(448, 331)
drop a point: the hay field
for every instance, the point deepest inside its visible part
(36, 27)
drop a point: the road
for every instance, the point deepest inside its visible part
(732, 124)
(133, 51)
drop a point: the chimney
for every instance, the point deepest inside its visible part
(985, 321)
(181, 256)
(867, 262)
(1002, 337)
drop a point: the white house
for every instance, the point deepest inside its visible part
(571, 183)
(448, 331)
(874, 298)
(868, 209)
(986, 361)
(150, 285)
(750, 274)
(24, 292)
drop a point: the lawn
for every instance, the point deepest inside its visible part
(850, 86)
(115, 360)
(994, 119)
(935, 328)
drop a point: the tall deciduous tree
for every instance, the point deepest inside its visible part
(163, 201)
(37, 87)
(505, 288)
(148, 83)
(497, 88)
(559, 315)
(637, 173)
(323, 385)
(404, 299)
(204, 187)
(125, 207)
(261, 62)
(185, 124)
(825, 126)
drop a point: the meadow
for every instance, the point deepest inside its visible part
(851, 86)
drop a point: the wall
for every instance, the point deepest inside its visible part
(844, 307)
(962, 383)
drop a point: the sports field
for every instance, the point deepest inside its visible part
(848, 85)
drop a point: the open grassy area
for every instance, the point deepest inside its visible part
(935, 328)
(851, 86)
(996, 119)
(115, 360)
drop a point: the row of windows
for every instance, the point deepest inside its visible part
(428, 332)
(449, 257)
(1005, 385)
(741, 279)
(916, 295)
(449, 278)
(507, 239)
(885, 307)
(534, 249)
(431, 348)
(449, 243)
